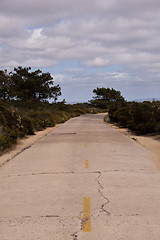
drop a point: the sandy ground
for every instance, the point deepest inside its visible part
(25, 144)
(152, 143)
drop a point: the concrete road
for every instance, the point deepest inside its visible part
(85, 180)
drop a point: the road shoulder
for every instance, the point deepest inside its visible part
(25, 143)
(151, 143)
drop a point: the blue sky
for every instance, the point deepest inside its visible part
(85, 44)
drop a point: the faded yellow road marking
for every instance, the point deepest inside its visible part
(86, 164)
(86, 215)
(85, 144)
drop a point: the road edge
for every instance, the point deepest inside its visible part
(148, 142)
(24, 144)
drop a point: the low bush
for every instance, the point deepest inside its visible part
(26, 127)
(3, 143)
(142, 118)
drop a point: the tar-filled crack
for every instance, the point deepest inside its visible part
(100, 191)
(43, 216)
(71, 172)
(128, 215)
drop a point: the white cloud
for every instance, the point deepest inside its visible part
(9, 27)
(59, 78)
(95, 33)
(97, 62)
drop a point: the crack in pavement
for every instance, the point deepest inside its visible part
(100, 190)
(128, 215)
(71, 172)
(83, 220)
(45, 173)
(29, 216)
(42, 216)
(75, 234)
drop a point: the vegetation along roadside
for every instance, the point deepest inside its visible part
(25, 106)
(140, 117)
(28, 103)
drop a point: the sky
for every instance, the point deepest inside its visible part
(85, 44)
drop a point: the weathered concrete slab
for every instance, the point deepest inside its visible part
(43, 188)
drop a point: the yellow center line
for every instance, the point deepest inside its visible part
(86, 220)
(86, 164)
(86, 215)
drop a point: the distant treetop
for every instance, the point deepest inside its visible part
(105, 96)
(24, 84)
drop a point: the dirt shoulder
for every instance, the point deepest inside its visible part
(152, 143)
(25, 143)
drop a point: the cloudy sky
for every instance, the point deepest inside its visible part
(85, 44)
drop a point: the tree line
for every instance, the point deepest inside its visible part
(25, 107)
(143, 118)
(23, 84)
(28, 103)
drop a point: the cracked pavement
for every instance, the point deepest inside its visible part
(43, 188)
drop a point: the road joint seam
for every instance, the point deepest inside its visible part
(72, 172)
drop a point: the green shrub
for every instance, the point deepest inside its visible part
(27, 127)
(49, 123)
(12, 134)
(38, 125)
(4, 143)
(20, 118)
(2, 119)
(140, 117)
(123, 116)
